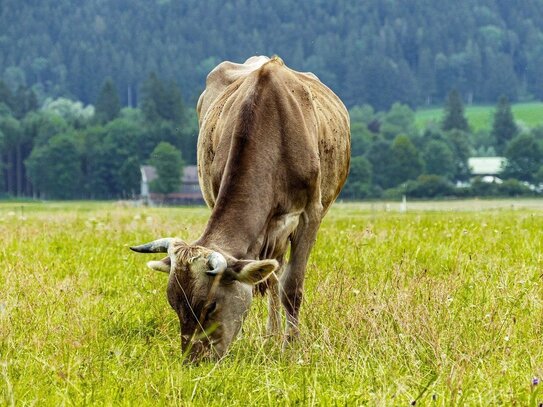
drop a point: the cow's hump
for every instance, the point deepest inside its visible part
(226, 73)
(222, 76)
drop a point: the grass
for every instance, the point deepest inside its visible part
(442, 308)
(527, 115)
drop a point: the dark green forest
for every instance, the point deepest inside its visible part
(375, 51)
(90, 91)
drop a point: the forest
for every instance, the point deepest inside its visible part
(375, 52)
(89, 91)
(67, 150)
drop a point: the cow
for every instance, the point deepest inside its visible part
(273, 154)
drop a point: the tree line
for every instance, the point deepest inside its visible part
(369, 52)
(391, 157)
(66, 150)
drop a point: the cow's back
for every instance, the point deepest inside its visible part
(322, 139)
(222, 76)
(334, 138)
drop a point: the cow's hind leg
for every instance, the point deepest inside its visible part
(292, 280)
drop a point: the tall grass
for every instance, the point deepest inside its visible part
(441, 308)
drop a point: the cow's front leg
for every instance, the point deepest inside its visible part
(274, 327)
(292, 280)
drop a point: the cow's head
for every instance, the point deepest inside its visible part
(210, 293)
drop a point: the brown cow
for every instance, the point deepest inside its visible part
(273, 154)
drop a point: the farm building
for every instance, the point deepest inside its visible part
(189, 190)
(488, 168)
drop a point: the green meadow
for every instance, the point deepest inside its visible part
(442, 305)
(527, 115)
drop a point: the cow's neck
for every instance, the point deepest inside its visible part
(247, 196)
(245, 202)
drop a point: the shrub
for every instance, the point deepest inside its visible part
(430, 186)
(480, 188)
(513, 187)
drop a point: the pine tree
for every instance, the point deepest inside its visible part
(6, 96)
(108, 105)
(152, 98)
(24, 101)
(161, 101)
(454, 113)
(504, 128)
(461, 148)
(172, 108)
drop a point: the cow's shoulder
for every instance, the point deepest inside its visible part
(228, 72)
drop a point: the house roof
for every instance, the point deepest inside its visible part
(486, 165)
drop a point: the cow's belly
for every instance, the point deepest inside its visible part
(273, 244)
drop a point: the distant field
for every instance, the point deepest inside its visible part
(442, 305)
(480, 117)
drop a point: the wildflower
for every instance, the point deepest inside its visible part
(535, 381)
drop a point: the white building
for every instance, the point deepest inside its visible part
(488, 168)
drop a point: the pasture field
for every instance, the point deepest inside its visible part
(430, 306)
(527, 115)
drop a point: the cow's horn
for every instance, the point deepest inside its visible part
(156, 246)
(217, 262)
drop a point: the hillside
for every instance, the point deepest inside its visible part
(527, 115)
(369, 52)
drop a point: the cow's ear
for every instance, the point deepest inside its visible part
(252, 271)
(163, 265)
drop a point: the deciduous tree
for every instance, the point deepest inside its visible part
(406, 162)
(55, 169)
(439, 159)
(358, 183)
(168, 163)
(524, 158)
